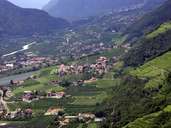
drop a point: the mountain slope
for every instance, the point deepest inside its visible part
(150, 21)
(83, 8)
(155, 31)
(142, 99)
(19, 21)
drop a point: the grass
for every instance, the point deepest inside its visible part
(89, 100)
(144, 122)
(153, 120)
(41, 83)
(42, 86)
(118, 39)
(162, 29)
(157, 73)
(167, 109)
(92, 125)
(104, 83)
(83, 99)
(92, 58)
(156, 70)
(35, 122)
(40, 106)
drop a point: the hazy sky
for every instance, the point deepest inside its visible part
(30, 3)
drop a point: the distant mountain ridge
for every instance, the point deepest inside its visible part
(76, 9)
(19, 21)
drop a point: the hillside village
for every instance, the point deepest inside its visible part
(109, 70)
(99, 68)
(20, 105)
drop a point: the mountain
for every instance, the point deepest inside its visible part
(19, 21)
(83, 8)
(155, 32)
(142, 98)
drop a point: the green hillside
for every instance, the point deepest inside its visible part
(143, 96)
(155, 71)
(162, 29)
(150, 21)
(159, 119)
(153, 44)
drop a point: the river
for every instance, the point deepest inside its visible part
(23, 76)
(25, 47)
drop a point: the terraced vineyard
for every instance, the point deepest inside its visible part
(161, 30)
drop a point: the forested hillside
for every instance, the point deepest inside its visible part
(153, 33)
(19, 21)
(107, 71)
(142, 99)
(150, 21)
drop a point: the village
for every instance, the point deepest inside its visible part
(86, 73)
(25, 61)
(30, 61)
(100, 67)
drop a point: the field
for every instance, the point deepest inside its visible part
(162, 29)
(151, 120)
(84, 98)
(155, 70)
(110, 53)
(41, 83)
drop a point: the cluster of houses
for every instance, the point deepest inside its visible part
(30, 96)
(18, 114)
(100, 67)
(25, 60)
(64, 120)
(126, 46)
(33, 61)
(6, 67)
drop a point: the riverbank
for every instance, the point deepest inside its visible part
(6, 80)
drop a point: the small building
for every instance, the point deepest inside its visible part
(99, 119)
(53, 111)
(29, 97)
(28, 113)
(57, 95)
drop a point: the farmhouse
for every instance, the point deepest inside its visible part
(86, 116)
(17, 82)
(53, 111)
(57, 95)
(29, 96)
(27, 113)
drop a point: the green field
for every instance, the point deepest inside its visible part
(155, 70)
(40, 84)
(162, 29)
(153, 120)
(92, 58)
(83, 99)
